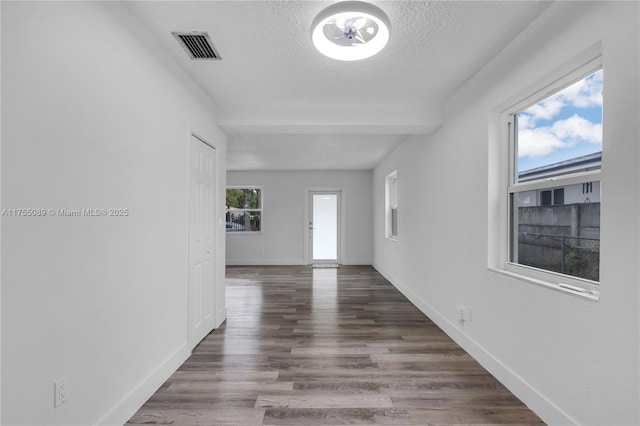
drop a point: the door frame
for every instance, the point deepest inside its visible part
(191, 339)
(308, 199)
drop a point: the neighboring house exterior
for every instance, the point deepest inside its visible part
(559, 228)
(581, 193)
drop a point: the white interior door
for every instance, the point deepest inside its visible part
(324, 227)
(202, 213)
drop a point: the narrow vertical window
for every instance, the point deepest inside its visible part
(392, 205)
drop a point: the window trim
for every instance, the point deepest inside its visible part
(261, 210)
(502, 182)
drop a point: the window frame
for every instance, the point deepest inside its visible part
(503, 184)
(391, 205)
(260, 210)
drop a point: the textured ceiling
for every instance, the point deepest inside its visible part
(284, 105)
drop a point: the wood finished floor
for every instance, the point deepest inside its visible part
(305, 346)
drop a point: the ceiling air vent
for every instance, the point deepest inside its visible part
(198, 45)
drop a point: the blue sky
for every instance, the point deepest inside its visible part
(565, 125)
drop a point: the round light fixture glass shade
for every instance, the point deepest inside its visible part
(350, 31)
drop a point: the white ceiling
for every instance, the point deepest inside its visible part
(285, 106)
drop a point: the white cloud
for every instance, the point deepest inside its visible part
(540, 141)
(585, 93)
(546, 109)
(576, 128)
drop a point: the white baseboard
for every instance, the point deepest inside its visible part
(122, 411)
(286, 262)
(356, 262)
(263, 262)
(549, 412)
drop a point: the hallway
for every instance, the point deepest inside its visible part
(327, 346)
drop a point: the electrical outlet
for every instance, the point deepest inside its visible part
(60, 392)
(464, 313)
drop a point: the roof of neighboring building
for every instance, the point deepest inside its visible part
(578, 164)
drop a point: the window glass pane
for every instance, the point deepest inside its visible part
(244, 198)
(563, 237)
(252, 198)
(394, 222)
(325, 227)
(557, 228)
(558, 196)
(391, 205)
(394, 192)
(235, 198)
(242, 221)
(562, 133)
(244, 209)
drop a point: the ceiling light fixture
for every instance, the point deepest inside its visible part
(350, 31)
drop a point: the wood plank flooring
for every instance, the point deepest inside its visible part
(304, 346)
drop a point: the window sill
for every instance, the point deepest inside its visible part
(583, 293)
(245, 233)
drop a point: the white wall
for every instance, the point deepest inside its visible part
(282, 241)
(94, 116)
(570, 359)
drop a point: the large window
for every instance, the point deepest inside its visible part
(554, 182)
(244, 209)
(391, 192)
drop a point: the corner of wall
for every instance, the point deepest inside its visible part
(521, 388)
(127, 406)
